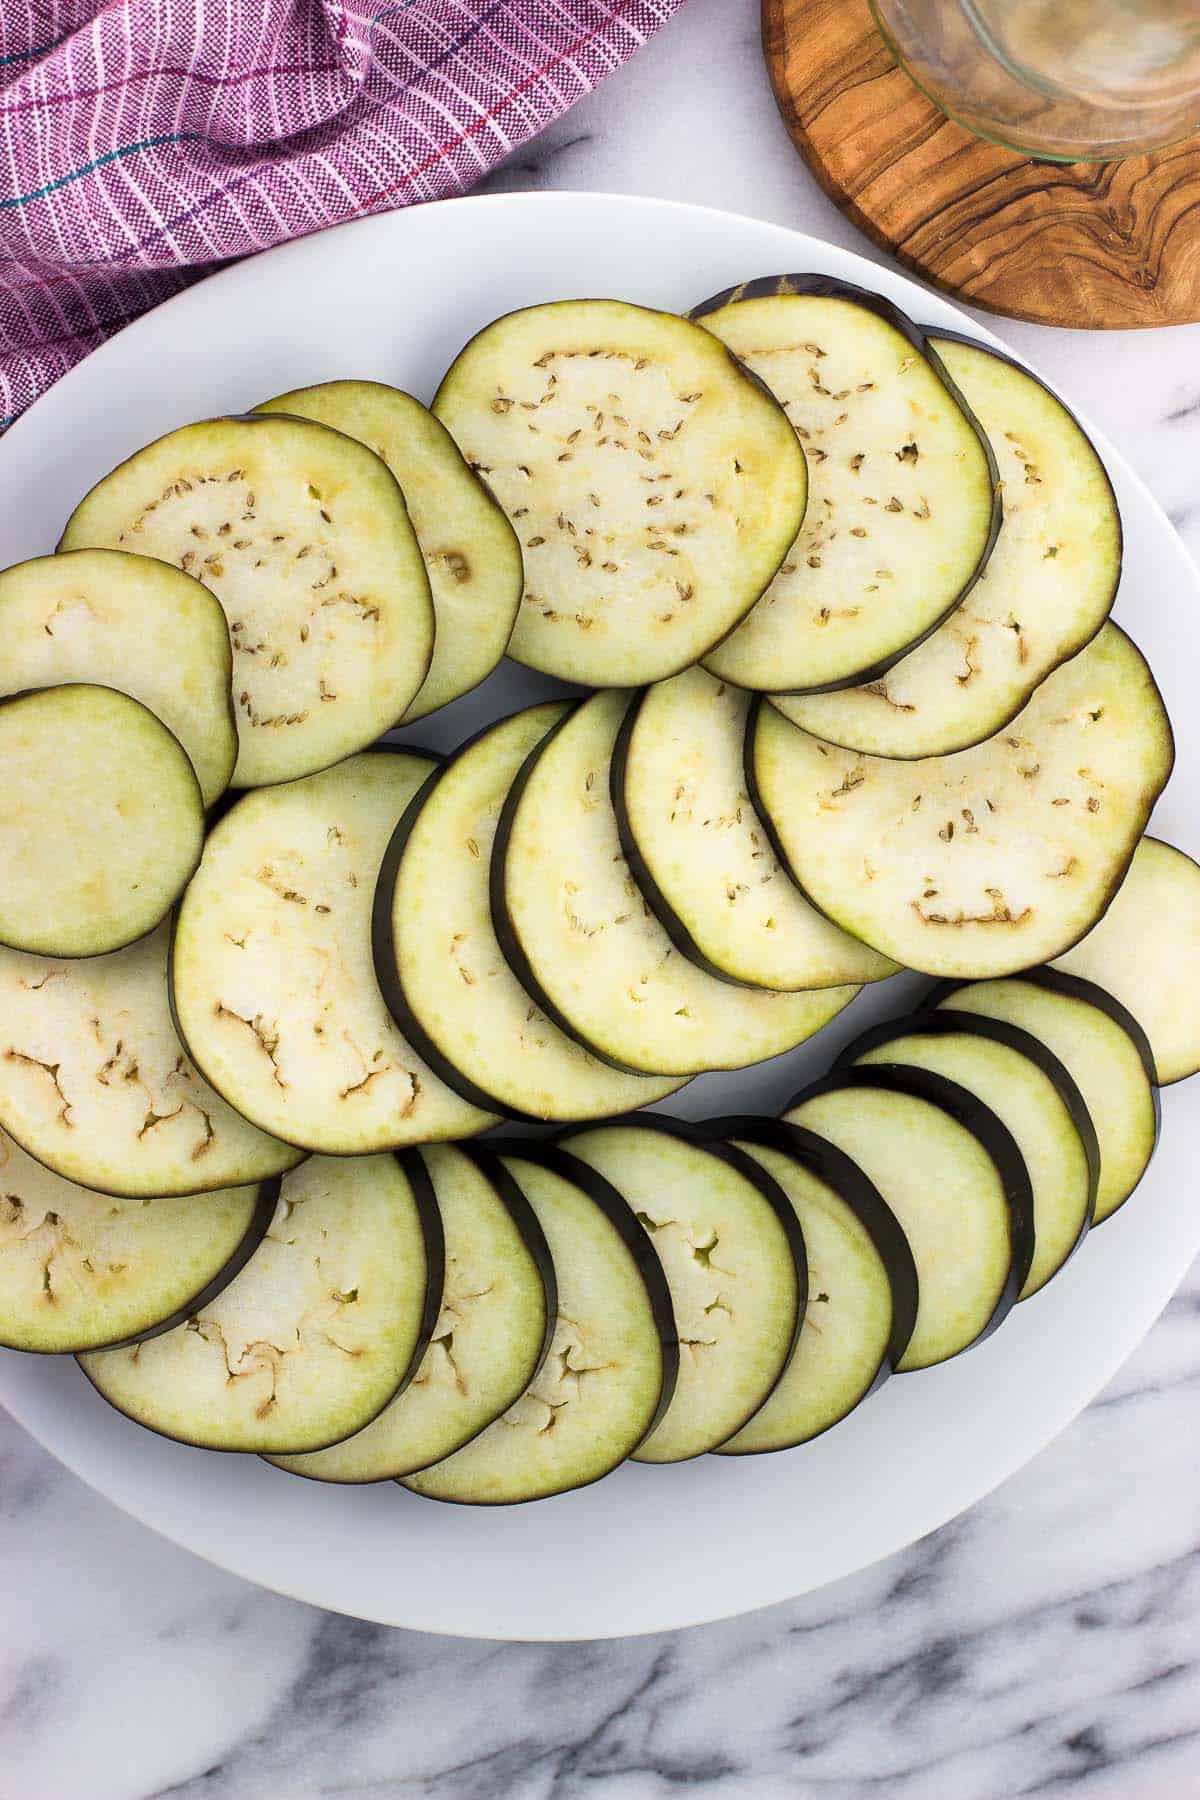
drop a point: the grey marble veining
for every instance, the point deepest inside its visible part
(1048, 1642)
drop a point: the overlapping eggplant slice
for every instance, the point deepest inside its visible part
(441, 967)
(862, 1285)
(319, 1331)
(953, 1176)
(655, 487)
(1030, 1091)
(903, 507)
(82, 1271)
(303, 535)
(573, 923)
(1048, 586)
(995, 858)
(471, 551)
(1103, 1048)
(610, 1371)
(95, 1083)
(733, 1254)
(498, 1311)
(123, 621)
(272, 981)
(1145, 952)
(101, 820)
(703, 858)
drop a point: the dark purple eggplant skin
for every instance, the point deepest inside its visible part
(773, 287)
(430, 1222)
(510, 943)
(1077, 987)
(653, 895)
(933, 1023)
(636, 1239)
(994, 1137)
(488, 1162)
(383, 951)
(859, 1193)
(701, 1137)
(256, 1231)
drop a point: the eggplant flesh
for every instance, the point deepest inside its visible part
(303, 536)
(101, 820)
(995, 858)
(654, 486)
(904, 502)
(576, 928)
(471, 552)
(271, 975)
(1048, 586)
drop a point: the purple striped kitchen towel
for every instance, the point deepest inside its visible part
(146, 140)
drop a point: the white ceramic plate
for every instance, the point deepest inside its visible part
(650, 1548)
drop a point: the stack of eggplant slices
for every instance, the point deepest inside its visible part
(827, 595)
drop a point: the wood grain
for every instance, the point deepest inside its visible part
(1097, 245)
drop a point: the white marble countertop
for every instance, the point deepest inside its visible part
(1049, 1639)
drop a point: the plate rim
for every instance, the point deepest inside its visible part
(908, 290)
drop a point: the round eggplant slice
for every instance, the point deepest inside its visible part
(492, 1334)
(272, 981)
(862, 1286)
(988, 861)
(303, 536)
(655, 486)
(733, 1255)
(470, 549)
(127, 622)
(319, 1331)
(95, 1083)
(1145, 952)
(101, 821)
(1102, 1047)
(439, 963)
(613, 1357)
(1048, 586)
(954, 1178)
(1030, 1091)
(904, 502)
(81, 1270)
(574, 925)
(701, 855)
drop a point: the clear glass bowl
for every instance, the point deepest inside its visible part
(1061, 80)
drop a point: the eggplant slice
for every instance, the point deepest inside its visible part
(1103, 1049)
(733, 1255)
(993, 859)
(272, 981)
(303, 536)
(903, 506)
(126, 622)
(81, 1271)
(954, 1178)
(316, 1335)
(94, 1081)
(439, 963)
(655, 487)
(101, 820)
(576, 928)
(491, 1338)
(701, 855)
(1048, 586)
(862, 1286)
(1145, 951)
(613, 1358)
(1030, 1091)
(471, 552)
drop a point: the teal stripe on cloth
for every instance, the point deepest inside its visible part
(166, 137)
